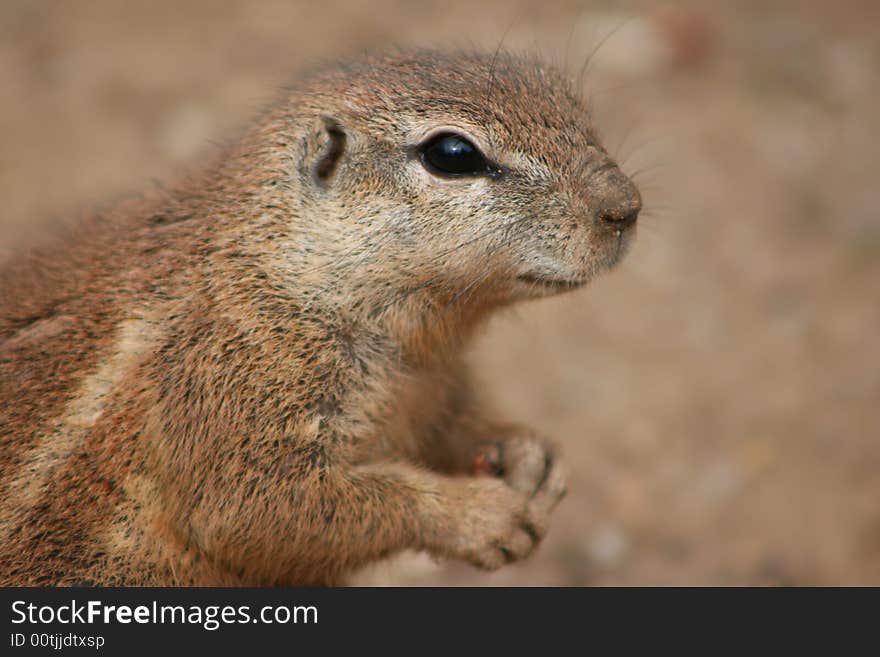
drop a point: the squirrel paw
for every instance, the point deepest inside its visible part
(510, 514)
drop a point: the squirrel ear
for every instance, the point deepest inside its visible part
(325, 148)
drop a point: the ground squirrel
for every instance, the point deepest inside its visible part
(255, 375)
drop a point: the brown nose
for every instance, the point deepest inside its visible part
(620, 217)
(617, 201)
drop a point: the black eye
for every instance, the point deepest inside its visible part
(449, 154)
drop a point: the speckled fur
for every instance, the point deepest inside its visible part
(253, 377)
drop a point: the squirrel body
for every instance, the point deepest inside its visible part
(254, 377)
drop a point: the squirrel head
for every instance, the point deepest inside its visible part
(448, 180)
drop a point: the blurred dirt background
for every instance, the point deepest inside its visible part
(717, 395)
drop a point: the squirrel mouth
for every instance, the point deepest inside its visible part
(552, 283)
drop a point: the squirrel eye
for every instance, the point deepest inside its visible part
(450, 154)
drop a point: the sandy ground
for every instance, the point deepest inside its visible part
(716, 396)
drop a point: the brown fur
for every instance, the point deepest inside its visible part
(254, 376)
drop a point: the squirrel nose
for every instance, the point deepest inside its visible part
(619, 218)
(619, 202)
